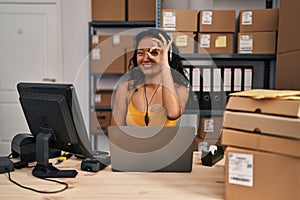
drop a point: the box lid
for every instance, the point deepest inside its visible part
(262, 123)
(243, 139)
(276, 102)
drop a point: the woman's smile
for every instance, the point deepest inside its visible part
(149, 65)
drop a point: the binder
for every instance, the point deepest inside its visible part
(196, 83)
(205, 97)
(194, 92)
(237, 83)
(248, 78)
(227, 81)
(217, 95)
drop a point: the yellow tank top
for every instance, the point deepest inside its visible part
(136, 117)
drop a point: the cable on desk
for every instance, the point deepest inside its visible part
(40, 191)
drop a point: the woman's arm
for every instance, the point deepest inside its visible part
(120, 104)
(174, 96)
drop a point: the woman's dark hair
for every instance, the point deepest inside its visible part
(178, 73)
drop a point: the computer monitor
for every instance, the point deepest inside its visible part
(54, 118)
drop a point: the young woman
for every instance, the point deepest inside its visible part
(156, 92)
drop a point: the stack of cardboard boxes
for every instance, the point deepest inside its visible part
(110, 53)
(261, 135)
(209, 131)
(123, 10)
(216, 31)
(100, 119)
(181, 25)
(257, 31)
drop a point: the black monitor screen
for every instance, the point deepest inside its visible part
(53, 115)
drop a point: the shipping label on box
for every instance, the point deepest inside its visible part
(240, 169)
(205, 40)
(206, 17)
(247, 18)
(169, 21)
(246, 44)
(209, 125)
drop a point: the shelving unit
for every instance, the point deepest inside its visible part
(195, 60)
(266, 58)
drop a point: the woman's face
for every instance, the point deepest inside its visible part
(145, 63)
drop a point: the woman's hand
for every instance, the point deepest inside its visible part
(162, 49)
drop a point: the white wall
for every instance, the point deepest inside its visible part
(75, 17)
(214, 4)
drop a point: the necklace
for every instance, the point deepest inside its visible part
(146, 118)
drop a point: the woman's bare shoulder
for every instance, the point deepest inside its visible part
(123, 85)
(123, 88)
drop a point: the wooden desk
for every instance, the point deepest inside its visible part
(202, 183)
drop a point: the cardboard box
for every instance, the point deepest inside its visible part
(103, 98)
(289, 27)
(108, 54)
(287, 71)
(208, 141)
(137, 11)
(112, 10)
(267, 106)
(256, 141)
(258, 175)
(179, 20)
(104, 118)
(259, 20)
(262, 123)
(128, 57)
(184, 41)
(95, 126)
(222, 21)
(210, 127)
(257, 43)
(215, 43)
(129, 50)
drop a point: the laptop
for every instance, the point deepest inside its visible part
(151, 148)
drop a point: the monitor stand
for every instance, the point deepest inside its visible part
(43, 168)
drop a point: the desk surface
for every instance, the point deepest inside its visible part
(202, 183)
